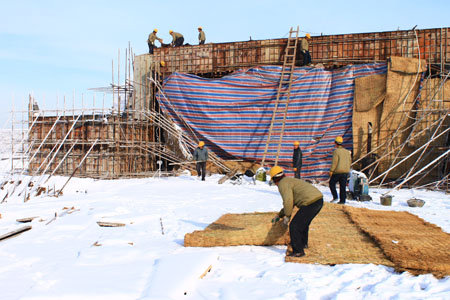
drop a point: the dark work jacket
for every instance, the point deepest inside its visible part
(201, 154)
(297, 158)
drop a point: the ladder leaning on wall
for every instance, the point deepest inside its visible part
(278, 121)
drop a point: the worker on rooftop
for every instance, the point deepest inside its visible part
(177, 38)
(151, 41)
(309, 200)
(201, 36)
(304, 47)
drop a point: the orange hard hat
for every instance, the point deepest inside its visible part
(308, 35)
(296, 143)
(201, 144)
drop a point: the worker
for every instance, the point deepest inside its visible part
(297, 160)
(309, 200)
(201, 156)
(340, 167)
(304, 48)
(201, 36)
(177, 38)
(151, 41)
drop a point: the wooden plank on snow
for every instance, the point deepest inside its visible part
(14, 232)
(109, 224)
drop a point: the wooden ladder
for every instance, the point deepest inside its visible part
(277, 124)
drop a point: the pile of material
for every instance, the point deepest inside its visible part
(342, 234)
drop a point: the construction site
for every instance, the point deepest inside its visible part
(386, 93)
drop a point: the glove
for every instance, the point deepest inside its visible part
(295, 169)
(286, 220)
(276, 219)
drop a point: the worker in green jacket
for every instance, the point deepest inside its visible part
(339, 170)
(201, 156)
(151, 41)
(177, 38)
(304, 48)
(309, 200)
(201, 36)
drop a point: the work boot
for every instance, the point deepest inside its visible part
(297, 254)
(340, 202)
(334, 200)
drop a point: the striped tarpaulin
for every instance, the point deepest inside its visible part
(232, 114)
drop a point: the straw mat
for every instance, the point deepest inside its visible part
(341, 234)
(334, 239)
(410, 242)
(239, 229)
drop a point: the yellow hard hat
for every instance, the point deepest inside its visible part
(155, 30)
(201, 144)
(296, 143)
(339, 140)
(170, 31)
(308, 35)
(200, 27)
(276, 170)
(163, 63)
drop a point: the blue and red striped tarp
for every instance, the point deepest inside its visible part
(232, 114)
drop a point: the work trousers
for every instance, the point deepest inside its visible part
(299, 226)
(201, 169)
(150, 48)
(306, 58)
(342, 179)
(179, 42)
(202, 42)
(297, 173)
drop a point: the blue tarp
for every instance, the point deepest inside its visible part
(232, 114)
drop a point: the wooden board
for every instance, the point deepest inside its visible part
(26, 220)
(14, 232)
(110, 224)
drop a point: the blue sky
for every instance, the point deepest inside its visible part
(51, 47)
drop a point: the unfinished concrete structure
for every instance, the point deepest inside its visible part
(129, 139)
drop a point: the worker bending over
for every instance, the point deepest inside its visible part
(340, 167)
(151, 41)
(309, 200)
(177, 38)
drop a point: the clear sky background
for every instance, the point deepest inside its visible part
(54, 48)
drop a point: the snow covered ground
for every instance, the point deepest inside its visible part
(74, 258)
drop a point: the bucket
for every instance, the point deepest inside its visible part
(386, 200)
(261, 175)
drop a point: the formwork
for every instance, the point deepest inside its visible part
(130, 143)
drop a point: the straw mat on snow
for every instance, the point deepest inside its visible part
(410, 242)
(239, 229)
(334, 239)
